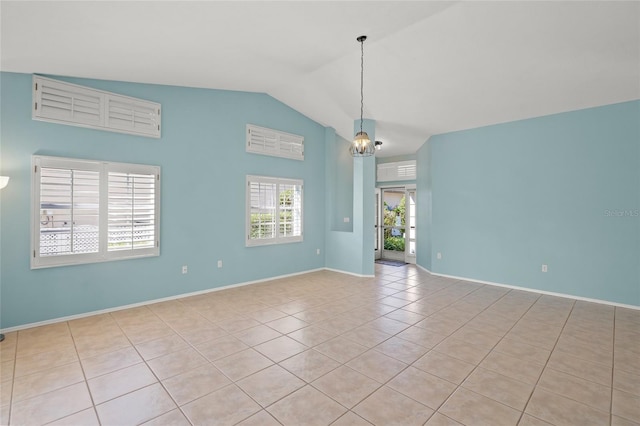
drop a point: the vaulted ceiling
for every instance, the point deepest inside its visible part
(430, 67)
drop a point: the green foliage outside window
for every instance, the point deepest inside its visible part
(263, 224)
(394, 242)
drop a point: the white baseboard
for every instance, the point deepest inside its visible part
(211, 290)
(349, 273)
(533, 290)
(424, 269)
(151, 302)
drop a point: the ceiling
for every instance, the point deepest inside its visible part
(430, 67)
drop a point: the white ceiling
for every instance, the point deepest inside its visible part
(430, 67)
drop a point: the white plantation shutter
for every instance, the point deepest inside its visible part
(133, 116)
(291, 146)
(65, 103)
(131, 224)
(397, 171)
(407, 170)
(290, 196)
(69, 211)
(274, 210)
(262, 196)
(261, 140)
(90, 211)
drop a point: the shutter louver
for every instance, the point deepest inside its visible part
(407, 171)
(397, 171)
(131, 211)
(65, 103)
(69, 211)
(261, 141)
(262, 210)
(290, 210)
(127, 114)
(265, 141)
(72, 104)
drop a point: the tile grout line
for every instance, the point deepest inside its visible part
(524, 409)
(411, 364)
(192, 346)
(458, 386)
(613, 365)
(150, 369)
(362, 287)
(232, 381)
(84, 375)
(278, 364)
(368, 349)
(13, 378)
(341, 365)
(60, 388)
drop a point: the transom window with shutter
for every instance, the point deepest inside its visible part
(261, 140)
(396, 171)
(88, 211)
(60, 102)
(274, 210)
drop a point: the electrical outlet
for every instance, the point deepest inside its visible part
(219, 263)
(317, 251)
(184, 269)
(439, 256)
(346, 220)
(544, 268)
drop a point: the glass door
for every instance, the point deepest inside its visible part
(378, 227)
(393, 217)
(410, 254)
(396, 224)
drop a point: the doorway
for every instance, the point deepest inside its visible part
(396, 224)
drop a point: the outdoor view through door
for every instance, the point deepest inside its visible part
(395, 224)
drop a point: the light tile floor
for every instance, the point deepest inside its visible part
(326, 348)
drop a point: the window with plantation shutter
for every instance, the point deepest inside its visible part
(88, 211)
(65, 103)
(274, 210)
(131, 224)
(69, 210)
(265, 141)
(397, 171)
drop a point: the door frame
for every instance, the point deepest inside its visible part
(378, 237)
(411, 224)
(379, 215)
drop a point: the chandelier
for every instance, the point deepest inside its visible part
(361, 145)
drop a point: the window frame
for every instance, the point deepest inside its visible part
(37, 261)
(277, 239)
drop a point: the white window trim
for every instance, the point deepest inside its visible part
(103, 255)
(277, 240)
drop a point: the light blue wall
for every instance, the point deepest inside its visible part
(204, 164)
(423, 206)
(340, 191)
(511, 197)
(352, 251)
(382, 160)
